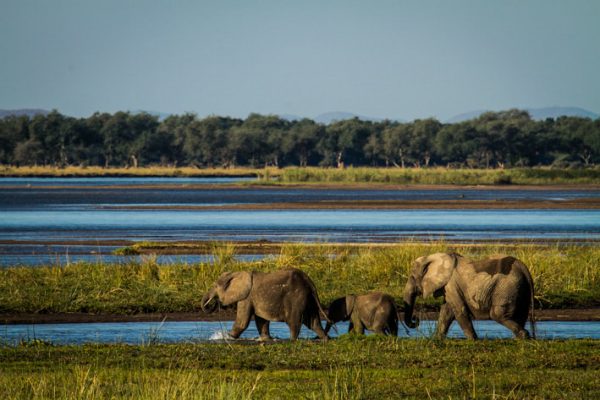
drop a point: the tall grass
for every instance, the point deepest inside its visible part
(294, 175)
(436, 176)
(114, 171)
(564, 276)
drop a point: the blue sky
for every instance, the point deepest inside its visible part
(395, 59)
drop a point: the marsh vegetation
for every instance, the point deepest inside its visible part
(564, 276)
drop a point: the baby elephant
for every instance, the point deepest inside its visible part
(376, 312)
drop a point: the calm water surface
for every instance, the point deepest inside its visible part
(172, 332)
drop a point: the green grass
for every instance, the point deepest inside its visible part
(438, 176)
(564, 276)
(351, 367)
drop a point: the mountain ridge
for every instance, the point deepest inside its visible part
(327, 118)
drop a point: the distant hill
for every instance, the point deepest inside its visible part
(161, 115)
(330, 117)
(290, 117)
(30, 112)
(536, 114)
(555, 112)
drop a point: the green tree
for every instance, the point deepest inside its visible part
(299, 144)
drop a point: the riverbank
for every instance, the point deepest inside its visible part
(352, 367)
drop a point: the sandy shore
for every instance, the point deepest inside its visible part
(583, 314)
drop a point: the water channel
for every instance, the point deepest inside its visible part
(61, 220)
(202, 331)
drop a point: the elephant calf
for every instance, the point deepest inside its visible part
(286, 295)
(376, 312)
(499, 288)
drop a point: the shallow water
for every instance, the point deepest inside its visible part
(176, 332)
(298, 225)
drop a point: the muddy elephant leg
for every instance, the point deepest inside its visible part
(444, 321)
(242, 319)
(262, 325)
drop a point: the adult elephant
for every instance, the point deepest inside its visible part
(375, 311)
(286, 295)
(499, 288)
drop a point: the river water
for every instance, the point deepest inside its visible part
(60, 220)
(178, 332)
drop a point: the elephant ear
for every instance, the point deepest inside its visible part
(234, 286)
(436, 270)
(350, 299)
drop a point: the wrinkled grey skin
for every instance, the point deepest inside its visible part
(286, 295)
(376, 312)
(499, 288)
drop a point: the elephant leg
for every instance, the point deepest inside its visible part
(294, 322)
(502, 316)
(465, 322)
(262, 325)
(350, 326)
(315, 326)
(444, 321)
(242, 320)
(393, 325)
(381, 326)
(357, 326)
(360, 328)
(517, 330)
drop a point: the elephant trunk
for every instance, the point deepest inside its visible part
(209, 302)
(410, 296)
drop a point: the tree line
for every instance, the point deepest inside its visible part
(494, 139)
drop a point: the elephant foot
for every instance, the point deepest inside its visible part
(524, 334)
(265, 339)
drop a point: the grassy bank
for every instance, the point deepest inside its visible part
(348, 368)
(72, 171)
(316, 175)
(440, 176)
(565, 276)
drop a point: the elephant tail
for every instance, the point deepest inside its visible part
(315, 295)
(531, 310)
(532, 297)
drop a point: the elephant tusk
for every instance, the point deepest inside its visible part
(207, 302)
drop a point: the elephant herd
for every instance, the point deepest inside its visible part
(498, 288)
